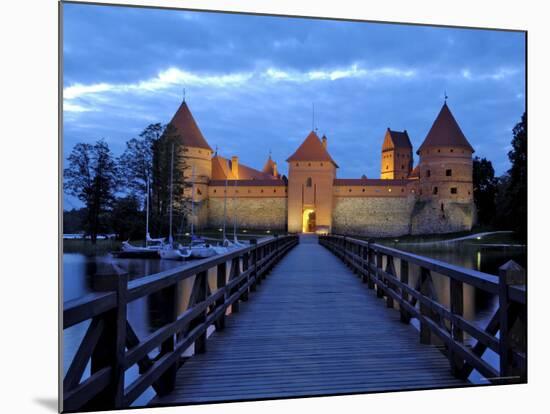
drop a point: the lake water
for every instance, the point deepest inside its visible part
(79, 269)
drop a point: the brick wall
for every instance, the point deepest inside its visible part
(372, 216)
(252, 213)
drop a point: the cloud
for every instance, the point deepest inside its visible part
(497, 75)
(173, 76)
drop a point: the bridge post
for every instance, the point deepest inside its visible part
(168, 314)
(254, 244)
(404, 277)
(379, 290)
(221, 275)
(512, 322)
(425, 335)
(457, 308)
(364, 266)
(235, 272)
(370, 281)
(200, 290)
(111, 346)
(246, 258)
(390, 268)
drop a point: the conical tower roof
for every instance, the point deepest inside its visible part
(269, 166)
(311, 149)
(183, 124)
(445, 132)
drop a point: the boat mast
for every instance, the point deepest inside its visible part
(224, 209)
(170, 239)
(234, 212)
(193, 202)
(147, 214)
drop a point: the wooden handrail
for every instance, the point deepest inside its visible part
(439, 321)
(110, 333)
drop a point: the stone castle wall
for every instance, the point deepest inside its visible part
(265, 213)
(429, 218)
(372, 216)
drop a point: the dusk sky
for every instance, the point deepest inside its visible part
(250, 82)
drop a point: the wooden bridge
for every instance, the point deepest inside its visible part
(310, 328)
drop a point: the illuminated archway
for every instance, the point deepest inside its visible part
(308, 221)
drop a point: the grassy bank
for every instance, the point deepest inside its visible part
(499, 238)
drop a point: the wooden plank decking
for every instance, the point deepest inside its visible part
(311, 328)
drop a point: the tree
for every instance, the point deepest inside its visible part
(92, 177)
(517, 190)
(485, 188)
(512, 186)
(136, 163)
(127, 221)
(161, 173)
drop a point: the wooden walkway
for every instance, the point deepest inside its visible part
(311, 328)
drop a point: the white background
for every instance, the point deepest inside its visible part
(29, 203)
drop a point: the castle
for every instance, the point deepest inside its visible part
(435, 196)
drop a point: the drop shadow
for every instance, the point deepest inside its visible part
(49, 403)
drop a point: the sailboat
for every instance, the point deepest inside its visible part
(170, 251)
(198, 248)
(236, 242)
(226, 244)
(152, 246)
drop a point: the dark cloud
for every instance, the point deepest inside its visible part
(482, 72)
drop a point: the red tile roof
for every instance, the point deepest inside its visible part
(367, 182)
(221, 169)
(445, 132)
(186, 128)
(311, 150)
(396, 139)
(248, 183)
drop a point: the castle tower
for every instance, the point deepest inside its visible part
(197, 155)
(397, 156)
(445, 165)
(311, 175)
(270, 167)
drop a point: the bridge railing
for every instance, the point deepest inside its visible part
(110, 345)
(376, 265)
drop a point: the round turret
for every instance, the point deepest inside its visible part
(445, 167)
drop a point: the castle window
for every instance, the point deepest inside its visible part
(321, 164)
(297, 164)
(274, 190)
(214, 191)
(454, 190)
(249, 191)
(363, 190)
(350, 190)
(309, 164)
(389, 190)
(449, 173)
(308, 182)
(402, 190)
(435, 190)
(387, 167)
(438, 150)
(262, 190)
(452, 150)
(402, 167)
(428, 173)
